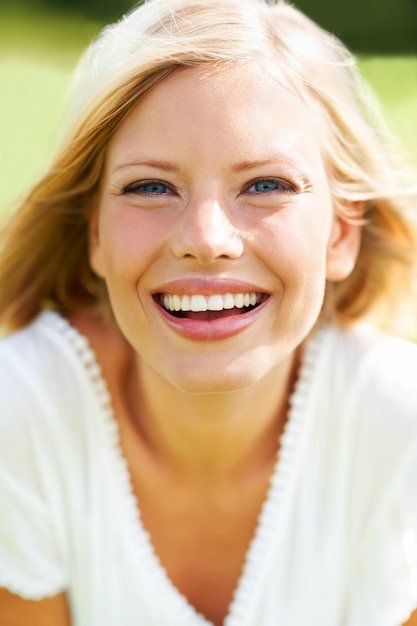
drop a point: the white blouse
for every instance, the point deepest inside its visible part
(336, 540)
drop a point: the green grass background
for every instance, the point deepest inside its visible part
(38, 52)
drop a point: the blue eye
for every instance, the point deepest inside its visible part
(148, 188)
(268, 185)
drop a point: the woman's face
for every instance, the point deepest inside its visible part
(214, 229)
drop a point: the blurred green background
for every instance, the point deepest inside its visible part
(41, 40)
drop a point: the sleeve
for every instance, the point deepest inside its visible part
(30, 561)
(384, 576)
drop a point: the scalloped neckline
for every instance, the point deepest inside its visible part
(289, 444)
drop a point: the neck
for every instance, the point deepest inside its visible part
(201, 435)
(211, 434)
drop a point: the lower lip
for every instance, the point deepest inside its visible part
(213, 330)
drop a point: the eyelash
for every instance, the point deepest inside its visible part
(138, 188)
(282, 186)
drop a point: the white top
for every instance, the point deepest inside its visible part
(336, 542)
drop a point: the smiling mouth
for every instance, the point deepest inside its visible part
(213, 307)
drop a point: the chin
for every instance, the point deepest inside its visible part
(216, 381)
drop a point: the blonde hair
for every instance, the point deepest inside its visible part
(44, 250)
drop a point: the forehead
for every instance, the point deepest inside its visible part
(225, 107)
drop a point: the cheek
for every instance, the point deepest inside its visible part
(296, 253)
(297, 245)
(129, 240)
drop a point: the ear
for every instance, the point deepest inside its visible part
(94, 248)
(344, 245)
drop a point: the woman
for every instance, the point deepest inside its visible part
(194, 430)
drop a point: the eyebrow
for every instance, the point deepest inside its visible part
(273, 159)
(166, 166)
(237, 168)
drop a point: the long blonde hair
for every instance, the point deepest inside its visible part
(44, 246)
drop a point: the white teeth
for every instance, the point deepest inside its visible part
(198, 303)
(177, 303)
(238, 298)
(229, 301)
(215, 302)
(185, 303)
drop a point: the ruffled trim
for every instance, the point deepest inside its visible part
(281, 476)
(258, 549)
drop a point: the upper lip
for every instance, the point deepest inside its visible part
(207, 287)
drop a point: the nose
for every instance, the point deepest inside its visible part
(206, 233)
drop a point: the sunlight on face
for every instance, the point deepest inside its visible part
(214, 226)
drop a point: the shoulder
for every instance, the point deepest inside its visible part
(366, 387)
(34, 357)
(372, 391)
(377, 376)
(361, 344)
(24, 357)
(52, 413)
(373, 365)
(42, 380)
(40, 438)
